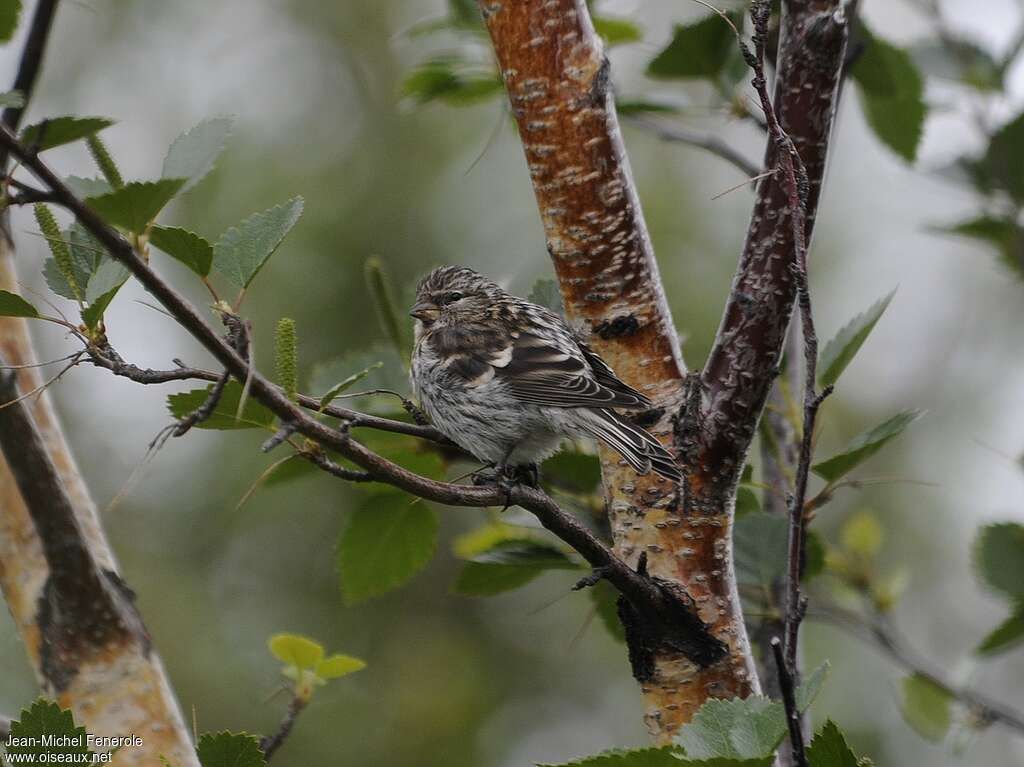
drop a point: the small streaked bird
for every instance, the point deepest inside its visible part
(507, 380)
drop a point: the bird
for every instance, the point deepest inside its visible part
(507, 380)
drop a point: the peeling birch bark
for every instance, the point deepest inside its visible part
(558, 82)
(84, 638)
(557, 78)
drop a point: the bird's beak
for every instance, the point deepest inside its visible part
(425, 311)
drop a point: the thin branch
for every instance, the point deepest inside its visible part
(877, 631)
(669, 615)
(797, 189)
(270, 743)
(705, 141)
(793, 718)
(28, 68)
(106, 357)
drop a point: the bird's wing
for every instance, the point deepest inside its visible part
(560, 372)
(549, 367)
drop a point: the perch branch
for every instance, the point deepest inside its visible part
(668, 613)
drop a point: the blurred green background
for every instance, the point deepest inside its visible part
(524, 677)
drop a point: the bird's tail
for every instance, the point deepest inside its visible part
(641, 451)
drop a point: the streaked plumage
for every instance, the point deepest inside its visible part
(507, 379)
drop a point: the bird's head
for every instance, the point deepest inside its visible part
(453, 294)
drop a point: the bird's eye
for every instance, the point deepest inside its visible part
(452, 297)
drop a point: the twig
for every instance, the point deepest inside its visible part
(106, 357)
(28, 69)
(798, 188)
(793, 718)
(709, 143)
(326, 464)
(270, 743)
(670, 616)
(879, 632)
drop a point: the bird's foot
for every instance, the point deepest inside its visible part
(508, 478)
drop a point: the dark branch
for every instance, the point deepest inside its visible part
(797, 190)
(710, 143)
(793, 719)
(663, 608)
(747, 351)
(879, 632)
(28, 69)
(270, 743)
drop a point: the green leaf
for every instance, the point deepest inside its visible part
(840, 351)
(573, 471)
(656, 757)
(296, 650)
(861, 534)
(45, 719)
(465, 14)
(1004, 233)
(959, 60)
(11, 98)
(1003, 165)
(697, 50)
(999, 558)
(189, 248)
(242, 250)
(750, 728)
(644, 106)
(641, 757)
(88, 257)
(10, 11)
(483, 538)
(892, 91)
(230, 749)
(617, 31)
(337, 666)
(392, 374)
(108, 277)
(13, 305)
(136, 204)
(864, 445)
(58, 131)
(606, 601)
(452, 81)
(345, 384)
(93, 313)
(194, 152)
(508, 565)
(546, 293)
(87, 187)
(409, 452)
(829, 749)
(393, 321)
(254, 415)
(389, 539)
(1006, 636)
(760, 545)
(927, 708)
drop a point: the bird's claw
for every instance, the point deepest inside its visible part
(508, 478)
